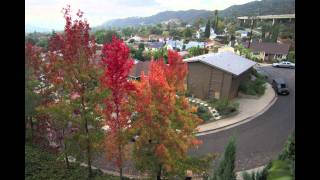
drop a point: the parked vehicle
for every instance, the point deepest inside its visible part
(284, 64)
(280, 86)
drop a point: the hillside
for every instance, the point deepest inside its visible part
(264, 7)
(187, 16)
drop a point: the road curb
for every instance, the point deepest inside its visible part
(211, 131)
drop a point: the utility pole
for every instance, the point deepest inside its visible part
(252, 22)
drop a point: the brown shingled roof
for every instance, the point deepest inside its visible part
(138, 68)
(268, 47)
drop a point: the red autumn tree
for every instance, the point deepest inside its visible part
(164, 121)
(70, 67)
(117, 107)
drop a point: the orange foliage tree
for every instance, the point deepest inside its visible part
(164, 122)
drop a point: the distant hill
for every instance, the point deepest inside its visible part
(31, 28)
(189, 15)
(264, 7)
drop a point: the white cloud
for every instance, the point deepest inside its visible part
(47, 13)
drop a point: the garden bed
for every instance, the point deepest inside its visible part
(214, 109)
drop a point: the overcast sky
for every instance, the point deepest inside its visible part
(47, 13)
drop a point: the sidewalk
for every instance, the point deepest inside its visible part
(248, 108)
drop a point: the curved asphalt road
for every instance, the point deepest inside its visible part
(262, 138)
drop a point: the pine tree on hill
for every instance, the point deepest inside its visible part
(225, 169)
(207, 30)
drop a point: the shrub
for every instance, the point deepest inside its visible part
(225, 107)
(212, 101)
(288, 152)
(291, 56)
(204, 113)
(255, 87)
(188, 94)
(258, 75)
(200, 165)
(279, 170)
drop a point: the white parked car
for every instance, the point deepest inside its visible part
(284, 64)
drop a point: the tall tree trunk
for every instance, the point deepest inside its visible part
(250, 34)
(87, 140)
(31, 126)
(119, 145)
(66, 154)
(67, 160)
(159, 173)
(120, 158)
(25, 128)
(88, 148)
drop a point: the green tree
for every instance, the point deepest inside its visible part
(74, 75)
(215, 24)
(102, 36)
(195, 51)
(275, 33)
(291, 56)
(207, 30)
(127, 31)
(187, 33)
(109, 34)
(141, 46)
(165, 33)
(219, 27)
(155, 30)
(32, 99)
(225, 169)
(199, 22)
(43, 43)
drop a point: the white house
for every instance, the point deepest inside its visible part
(174, 44)
(195, 44)
(202, 29)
